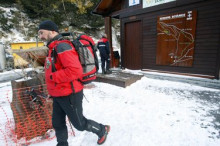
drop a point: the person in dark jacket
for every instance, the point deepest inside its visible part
(104, 50)
(62, 74)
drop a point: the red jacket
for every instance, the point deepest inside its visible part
(68, 70)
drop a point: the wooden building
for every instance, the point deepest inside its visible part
(175, 36)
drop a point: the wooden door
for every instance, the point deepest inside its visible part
(132, 47)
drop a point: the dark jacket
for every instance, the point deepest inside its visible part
(68, 69)
(103, 46)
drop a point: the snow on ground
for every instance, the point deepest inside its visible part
(149, 112)
(14, 74)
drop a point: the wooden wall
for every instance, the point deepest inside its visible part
(207, 39)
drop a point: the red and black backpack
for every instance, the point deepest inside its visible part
(85, 47)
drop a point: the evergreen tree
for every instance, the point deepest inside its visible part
(65, 13)
(82, 5)
(76, 13)
(82, 16)
(4, 23)
(42, 10)
(7, 1)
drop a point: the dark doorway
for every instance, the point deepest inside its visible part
(132, 50)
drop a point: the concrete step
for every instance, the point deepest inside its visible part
(118, 78)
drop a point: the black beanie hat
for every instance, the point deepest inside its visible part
(48, 25)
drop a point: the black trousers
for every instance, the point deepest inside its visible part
(71, 106)
(105, 62)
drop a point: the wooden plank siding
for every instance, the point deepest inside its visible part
(207, 39)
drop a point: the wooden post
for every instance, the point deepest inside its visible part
(108, 31)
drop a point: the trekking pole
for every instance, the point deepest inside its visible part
(71, 127)
(86, 98)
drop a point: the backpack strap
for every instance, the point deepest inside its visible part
(54, 54)
(53, 57)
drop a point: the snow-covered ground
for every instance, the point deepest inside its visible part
(149, 112)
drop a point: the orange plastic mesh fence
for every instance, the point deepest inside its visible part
(30, 120)
(32, 117)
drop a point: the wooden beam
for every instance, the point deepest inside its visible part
(108, 31)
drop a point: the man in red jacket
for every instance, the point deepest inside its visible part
(62, 74)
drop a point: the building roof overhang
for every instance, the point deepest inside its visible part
(107, 8)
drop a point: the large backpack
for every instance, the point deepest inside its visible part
(85, 47)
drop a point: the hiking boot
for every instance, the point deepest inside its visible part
(102, 139)
(103, 71)
(108, 72)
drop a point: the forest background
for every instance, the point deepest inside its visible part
(23, 17)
